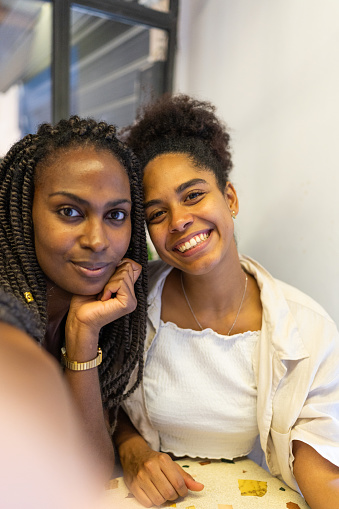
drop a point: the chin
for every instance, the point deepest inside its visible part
(91, 291)
(85, 290)
(197, 265)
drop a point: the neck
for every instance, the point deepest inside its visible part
(58, 302)
(215, 314)
(222, 285)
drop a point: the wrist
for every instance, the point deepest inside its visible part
(76, 365)
(81, 344)
(131, 446)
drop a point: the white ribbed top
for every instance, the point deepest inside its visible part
(200, 392)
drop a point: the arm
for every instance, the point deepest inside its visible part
(87, 315)
(85, 389)
(318, 479)
(151, 476)
(40, 432)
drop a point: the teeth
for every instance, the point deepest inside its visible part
(193, 242)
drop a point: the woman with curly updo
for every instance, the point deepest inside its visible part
(237, 363)
(72, 259)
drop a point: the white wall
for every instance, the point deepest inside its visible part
(272, 70)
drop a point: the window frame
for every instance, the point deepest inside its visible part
(118, 10)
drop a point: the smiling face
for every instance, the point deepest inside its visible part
(81, 217)
(189, 218)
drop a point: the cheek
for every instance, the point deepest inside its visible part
(51, 239)
(157, 235)
(40, 242)
(220, 213)
(48, 237)
(51, 247)
(120, 240)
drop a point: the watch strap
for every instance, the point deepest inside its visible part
(80, 366)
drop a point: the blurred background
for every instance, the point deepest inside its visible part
(270, 67)
(59, 58)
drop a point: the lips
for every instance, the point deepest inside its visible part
(91, 266)
(92, 269)
(192, 242)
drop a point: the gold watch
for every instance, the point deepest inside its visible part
(80, 366)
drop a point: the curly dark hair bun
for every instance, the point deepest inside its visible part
(180, 123)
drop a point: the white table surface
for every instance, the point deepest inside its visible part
(222, 491)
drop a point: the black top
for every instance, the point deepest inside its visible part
(12, 311)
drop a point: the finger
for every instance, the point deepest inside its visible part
(160, 492)
(121, 282)
(125, 275)
(136, 267)
(157, 479)
(146, 492)
(123, 298)
(166, 478)
(126, 270)
(190, 483)
(177, 480)
(141, 497)
(136, 273)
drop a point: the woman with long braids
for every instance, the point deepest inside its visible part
(72, 262)
(234, 359)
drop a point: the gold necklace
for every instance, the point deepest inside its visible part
(193, 314)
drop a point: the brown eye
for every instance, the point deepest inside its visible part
(117, 215)
(155, 215)
(194, 195)
(69, 212)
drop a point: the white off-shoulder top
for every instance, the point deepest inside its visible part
(200, 391)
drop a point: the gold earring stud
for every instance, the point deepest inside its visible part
(234, 214)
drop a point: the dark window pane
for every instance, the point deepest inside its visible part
(114, 66)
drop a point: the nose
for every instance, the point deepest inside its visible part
(94, 235)
(180, 220)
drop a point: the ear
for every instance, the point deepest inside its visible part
(231, 198)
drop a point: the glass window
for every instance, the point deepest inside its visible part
(114, 66)
(25, 68)
(117, 60)
(159, 5)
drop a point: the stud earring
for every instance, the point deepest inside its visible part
(233, 214)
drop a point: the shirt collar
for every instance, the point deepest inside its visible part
(278, 322)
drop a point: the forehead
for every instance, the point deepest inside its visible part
(168, 171)
(78, 167)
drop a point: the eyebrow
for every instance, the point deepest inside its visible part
(83, 202)
(182, 187)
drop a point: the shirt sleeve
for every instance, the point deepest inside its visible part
(318, 421)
